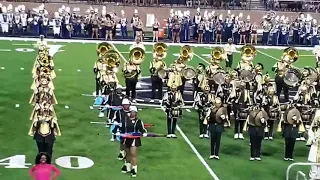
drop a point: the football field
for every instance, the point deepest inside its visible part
(84, 150)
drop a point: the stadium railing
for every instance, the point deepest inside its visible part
(299, 173)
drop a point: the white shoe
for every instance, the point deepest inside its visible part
(291, 159)
(251, 159)
(241, 136)
(169, 136)
(151, 100)
(270, 138)
(201, 136)
(231, 113)
(206, 135)
(101, 114)
(302, 139)
(286, 159)
(266, 138)
(257, 158)
(298, 139)
(134, 101)
(112, 139)
(212, 157)
(216, 157)
(173, 136)
(236, 136)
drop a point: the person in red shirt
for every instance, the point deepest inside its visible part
(43, 169)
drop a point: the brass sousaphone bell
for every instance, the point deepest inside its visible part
(45, 70)
(112, 59)
(137, 55)
(186, 54)
(45, 61)
(218, 55)
(292, 75)
(160, 50)
(248, 52)
(103, 48)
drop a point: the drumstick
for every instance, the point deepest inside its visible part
(120, 124)
(139, 135)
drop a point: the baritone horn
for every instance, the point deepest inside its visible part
(103, 48)
(160, 50)
(186, 53)
(137, 55)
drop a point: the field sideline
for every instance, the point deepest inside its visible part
(186, 157)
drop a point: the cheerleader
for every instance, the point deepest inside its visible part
(156, 30)
(109, 27)
(176, 32)
(201, 32)
(254, 33)
(95, 28)
(242, 33)
(139, 31)
(132, 124)
(219, 29)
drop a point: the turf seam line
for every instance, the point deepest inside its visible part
(145, 43)
(196, 152)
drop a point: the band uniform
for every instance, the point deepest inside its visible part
(173, 102)
(157, 83)
(131, 81)
(215, 118)
(203, 102)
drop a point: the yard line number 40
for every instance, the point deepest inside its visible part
(19, 161)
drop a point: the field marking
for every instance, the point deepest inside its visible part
(195, 151)
(307, 55)
(201, 58)
(145, 43)
(115, 48)
(22, 44)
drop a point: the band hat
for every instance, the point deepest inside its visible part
(126, 102)
(133, 108)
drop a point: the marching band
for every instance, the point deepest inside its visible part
(44, 127)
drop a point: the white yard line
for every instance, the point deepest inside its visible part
(196, 152)
(122, 57)
(201, 58)
(268, 55)
(145, 43)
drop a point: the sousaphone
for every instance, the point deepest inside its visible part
(103, 48)
(112, 59)
(217, 56)
(137, 55)
(186, 54)
(160, 50)
(248, 52)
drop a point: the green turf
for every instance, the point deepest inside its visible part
(159, 159)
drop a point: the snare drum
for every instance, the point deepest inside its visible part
(306, 116)
(243, 114)
(273, 115)
(175, 112)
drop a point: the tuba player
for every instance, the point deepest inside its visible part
(173, 102)
(157, 83)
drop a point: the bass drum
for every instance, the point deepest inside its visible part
(292, 76)
(219, 77)
(189, 73)
(161, 73)
(246, 75)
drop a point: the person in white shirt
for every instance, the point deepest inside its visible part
(316, 52)
(137, 43)
(230, 49)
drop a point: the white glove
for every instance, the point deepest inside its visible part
(107, 105)
(117, 134)
(145, 135)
